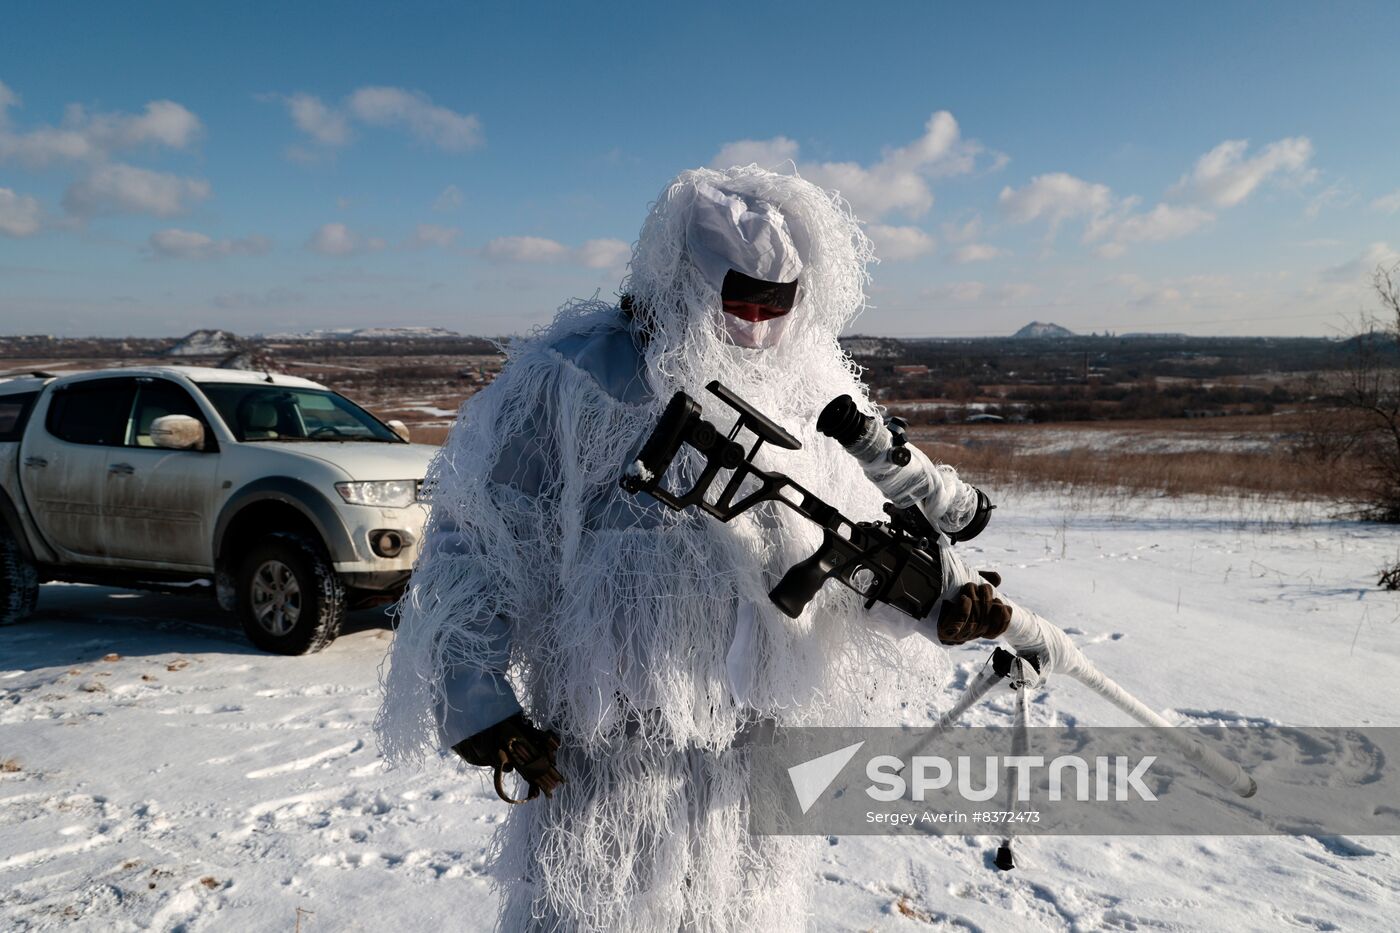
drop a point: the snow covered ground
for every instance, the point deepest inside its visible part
(156, 773)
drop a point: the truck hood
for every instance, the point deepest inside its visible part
(366, 460)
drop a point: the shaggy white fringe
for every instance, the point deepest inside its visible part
(623, 617)
(644, 841)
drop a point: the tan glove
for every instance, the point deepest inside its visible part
(974, 612)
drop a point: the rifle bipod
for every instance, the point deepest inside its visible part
(1021, 671)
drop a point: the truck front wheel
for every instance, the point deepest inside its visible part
(19, 581)
(290, 600)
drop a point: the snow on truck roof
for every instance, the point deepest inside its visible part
(29, 382)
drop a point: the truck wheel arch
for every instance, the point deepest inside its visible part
(10, 520)
(272, 504)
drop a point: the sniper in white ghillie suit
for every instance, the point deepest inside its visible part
(644, 638)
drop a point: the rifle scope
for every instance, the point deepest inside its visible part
(889, 461)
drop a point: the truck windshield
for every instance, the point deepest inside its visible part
(282, 413)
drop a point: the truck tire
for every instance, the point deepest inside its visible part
(19, 581)
(289, 598)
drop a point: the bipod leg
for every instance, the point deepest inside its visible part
(998, 666)
(1024, 675)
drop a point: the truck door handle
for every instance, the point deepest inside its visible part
(38, 462)
(121, 469)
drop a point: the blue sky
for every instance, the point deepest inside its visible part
(1212, 168)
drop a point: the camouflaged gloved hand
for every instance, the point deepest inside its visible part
(515, 745)
(974, 612)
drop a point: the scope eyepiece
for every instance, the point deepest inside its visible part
(841, 421)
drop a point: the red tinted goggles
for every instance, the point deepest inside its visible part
(755, 300)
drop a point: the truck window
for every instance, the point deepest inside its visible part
(14, 412)
(258, 413)
(156, 398)
(93, 412)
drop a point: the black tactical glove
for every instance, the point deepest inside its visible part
(515, 745)
(975, 612)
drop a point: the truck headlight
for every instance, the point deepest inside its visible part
(391, 493)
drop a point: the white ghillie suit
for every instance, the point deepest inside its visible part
(645, 637)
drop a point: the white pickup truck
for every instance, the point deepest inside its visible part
(291, 500)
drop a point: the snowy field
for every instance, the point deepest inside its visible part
(156, 773)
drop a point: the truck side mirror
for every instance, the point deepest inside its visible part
(399, 428)
(177, 432)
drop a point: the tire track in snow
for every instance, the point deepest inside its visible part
(301, 764)
(38, 855)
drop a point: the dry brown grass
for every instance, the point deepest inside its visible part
(1172, 474)
(433, 434)
(1241, 456)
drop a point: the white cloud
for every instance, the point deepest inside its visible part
(964, 232)
(1387, 204)
(603, 254)
(595, 254)
(1335, 195)
(8, 99)
(765, 153)
(895, 243)
(1364, 266)
(977, 252)
(1198, 292)
(336, 239)
(173, 243)
(898, 182)
(20, 215)
(93, 137)
(1055, 198)
(1166, 295)
(526, 249)
(117, 188)
(1224, 177)
(449, 200)
(162, 123)
(327, 126)
(1163, 222)
(874, 192)
(433, 235)
(430, 123)
(1110, 221)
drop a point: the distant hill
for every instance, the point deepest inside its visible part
(219, 343)
(370, 333)
(1035, 329)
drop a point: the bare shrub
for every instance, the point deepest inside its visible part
(1360, 437)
